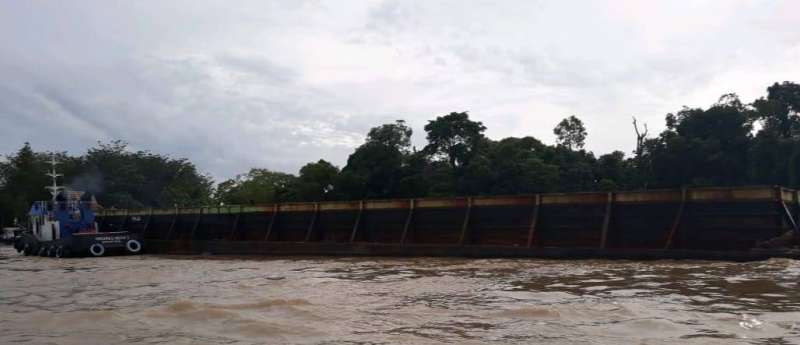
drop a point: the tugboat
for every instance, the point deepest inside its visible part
(65, 226)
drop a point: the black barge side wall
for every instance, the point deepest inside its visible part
(713, 220)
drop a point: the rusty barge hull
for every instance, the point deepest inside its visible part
(703, 223)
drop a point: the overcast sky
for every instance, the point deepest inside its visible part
(238, 84)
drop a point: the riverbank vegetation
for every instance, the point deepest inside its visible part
(729, 143)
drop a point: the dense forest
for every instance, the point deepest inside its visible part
(729, 143)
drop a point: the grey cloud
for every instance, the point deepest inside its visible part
(279, 84)
(184, 114)
(258, 68)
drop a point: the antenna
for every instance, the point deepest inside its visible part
(55, 188)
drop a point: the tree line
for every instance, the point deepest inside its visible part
(727, 144)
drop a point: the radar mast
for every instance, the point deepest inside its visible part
(54, 188)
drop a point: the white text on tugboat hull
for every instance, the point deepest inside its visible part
(111, 238)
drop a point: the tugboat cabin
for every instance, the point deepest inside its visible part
(67, 214)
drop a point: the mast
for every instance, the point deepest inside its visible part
(54, 188)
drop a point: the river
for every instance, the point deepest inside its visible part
(312, 300)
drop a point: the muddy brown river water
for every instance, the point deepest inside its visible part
(310, 300)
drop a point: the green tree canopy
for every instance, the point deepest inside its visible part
(258, 186)
(394, 135)
(703, 147)
(511, 166)
(774, 155)
(116, 176)
(23, 181)
(316, 181)
(376, 168)
(780, 110)
(454, 138)
(122, 178)
(570, 133)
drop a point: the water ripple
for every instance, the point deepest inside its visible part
(309, 300)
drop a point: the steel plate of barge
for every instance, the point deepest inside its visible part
(742, 223)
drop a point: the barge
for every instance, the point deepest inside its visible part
(738, 223)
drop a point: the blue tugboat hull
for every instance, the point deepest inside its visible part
(79, 245)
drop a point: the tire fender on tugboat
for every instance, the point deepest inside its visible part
(133, 246)
(97, 249)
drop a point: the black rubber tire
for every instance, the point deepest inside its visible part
(26, 249)
(133, 246)
(51, 251)
(59, 252)
(42, 251)
(97, 249)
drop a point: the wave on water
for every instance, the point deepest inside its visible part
(530, 313)
(200, 311)
(275, 318)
